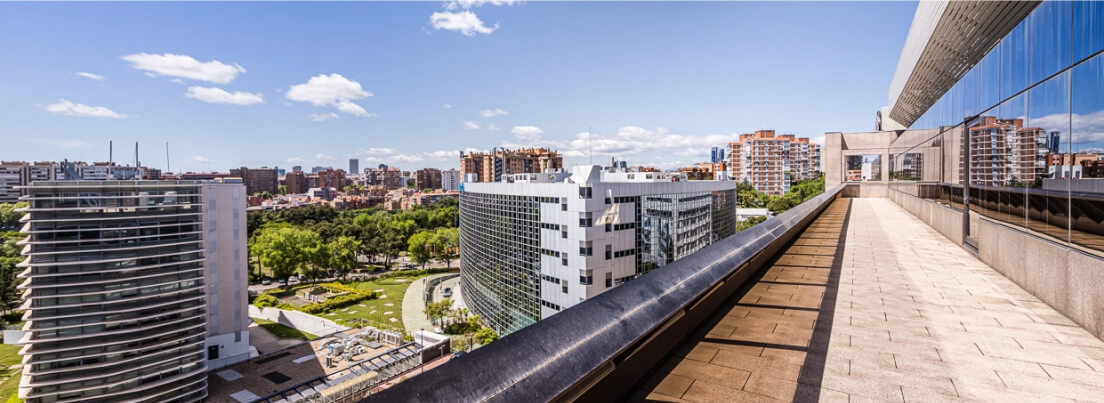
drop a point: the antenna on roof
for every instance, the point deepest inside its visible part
(168, 164)
(135, 177)
(110, 151)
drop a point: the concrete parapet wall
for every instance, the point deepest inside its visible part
(298, 320)
(1068, 280)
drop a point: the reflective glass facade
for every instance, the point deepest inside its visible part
(1024, 128)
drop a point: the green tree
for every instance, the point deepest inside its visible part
(780, 204)
(283, 249)
(9, 217)
(421, 247)
(485, 336)
(448, 244)
(281, 189)
(343, 251)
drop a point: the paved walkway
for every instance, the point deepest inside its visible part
(413, 306)
(898, 313)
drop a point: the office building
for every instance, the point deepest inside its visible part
(133, 289)
(450, 180)
(771, 162)
(717, 154)
(296, 182)
(492, 166)
(354, 166)
(19, 173)
(428, 178)
(258, 180)
(535, 244)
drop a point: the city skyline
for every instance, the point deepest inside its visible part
(369, 83)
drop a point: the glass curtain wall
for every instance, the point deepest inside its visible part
(1033, 111)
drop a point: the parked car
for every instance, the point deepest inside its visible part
(447, 293)
(293, 279)
(283, 282)
(266, 282)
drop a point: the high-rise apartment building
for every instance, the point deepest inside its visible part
(258, 180)
(450, 180)
(332, 179)
(492, 166)
(535, 244)
(770, 162)
(296, 182)
(354, 166)
(133, 289)
(389, 177)
(19, 173)
(428, 178)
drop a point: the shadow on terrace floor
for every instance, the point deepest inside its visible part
(770, 340)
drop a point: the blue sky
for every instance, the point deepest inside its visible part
(411, 84)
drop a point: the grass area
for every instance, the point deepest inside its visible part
(373, 311)
(284, 332)
(9, 355)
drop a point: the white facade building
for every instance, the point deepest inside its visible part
(450, 180)
(536, 244)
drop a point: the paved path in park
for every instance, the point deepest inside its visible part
(413, 306)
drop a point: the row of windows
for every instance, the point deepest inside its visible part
(550, 305)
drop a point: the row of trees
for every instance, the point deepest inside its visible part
(442, 244)
(9, 218)
(9, 255)
(379, 235)
(287, 250)
(799, 192)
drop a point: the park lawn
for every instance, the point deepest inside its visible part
(372, 312)
(9, 355)
(282, 331)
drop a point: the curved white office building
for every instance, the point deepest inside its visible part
(114, 292)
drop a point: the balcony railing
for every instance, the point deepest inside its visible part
(595, 350)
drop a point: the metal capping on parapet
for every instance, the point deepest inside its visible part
(593, 343)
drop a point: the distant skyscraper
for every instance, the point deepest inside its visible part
(354, 166)
(717, 155)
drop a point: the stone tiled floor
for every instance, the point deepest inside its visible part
(872, 304)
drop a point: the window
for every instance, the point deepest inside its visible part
(563, 260)
(1013, 65)
(609, 252)
(585, 192)
(1049, 35)
(564, 288)
(609, 200)
(609, 227)
(609, 280)
(586, 219)
(585, 248)
(1088, 28)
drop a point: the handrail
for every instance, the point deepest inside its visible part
(598, 348)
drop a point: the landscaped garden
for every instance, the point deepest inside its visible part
(376, 302)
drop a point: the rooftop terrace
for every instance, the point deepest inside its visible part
(837, 299)
(869, 302)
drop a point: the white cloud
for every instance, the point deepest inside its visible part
(464, 22)
(527, 133)
(90, 76)
(214, 95)
(296, 160)
(177, 80)
(374, 151)
(184, 66)
(492, 127)
(331, 90)
(490, 113)
(322, 117)
(469, 125)
(323, 157)
(66, 144)
(466, 4)
(65, 107)
(199, 159)
(447, 106)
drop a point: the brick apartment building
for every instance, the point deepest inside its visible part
(770, 162)
(490, 167)
(257, 180)
(428, 178)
